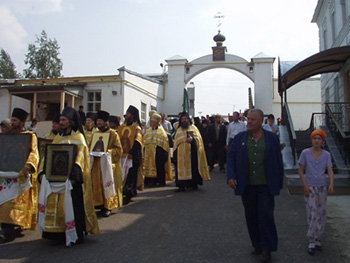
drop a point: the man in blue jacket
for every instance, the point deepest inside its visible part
(255, 171)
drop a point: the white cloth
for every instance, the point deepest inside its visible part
(106, 171)
(126, 165)
(59, 188)
(10, 187)
(233, 129)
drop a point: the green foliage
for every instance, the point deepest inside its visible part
(42, 58)
(7, 67)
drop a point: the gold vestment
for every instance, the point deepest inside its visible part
(23, 210)
(115, 150)
(152, 139)
(54, 212)
(184, 153)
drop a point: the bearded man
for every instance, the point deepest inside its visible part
(189, 156)
(53, 202)
(21, 210)
(132, 145)
(157, 162)
(103, 182)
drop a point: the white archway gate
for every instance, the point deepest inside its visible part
(259, 70)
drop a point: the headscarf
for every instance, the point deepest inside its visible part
(134, 112)
(319, 132)
(20, 114)
(6, 122)
(74, 116)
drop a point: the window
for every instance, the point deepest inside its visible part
(333, 25)
(143, 111)
(343, 11)
(324, 34)
(327, 95)
(94, 101)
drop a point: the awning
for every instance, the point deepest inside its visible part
(330, 60)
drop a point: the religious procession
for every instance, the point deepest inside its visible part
(91, 164)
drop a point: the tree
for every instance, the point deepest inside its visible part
(7, 67)
(42, 58)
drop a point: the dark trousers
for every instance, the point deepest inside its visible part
(217, 154)
(259, 207)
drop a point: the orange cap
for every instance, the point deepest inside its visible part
(319, 132)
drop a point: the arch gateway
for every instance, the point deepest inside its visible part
(259, 70)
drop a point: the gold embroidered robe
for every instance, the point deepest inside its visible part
(54, 212)
(139, 138)
(88, 135)
(184, 154)
(115, 150)
(151, 140)
(23, 210)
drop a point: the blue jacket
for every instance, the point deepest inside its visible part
(238, 163)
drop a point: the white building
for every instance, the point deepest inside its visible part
(333, 20)
(111, 93)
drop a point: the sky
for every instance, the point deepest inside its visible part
(98, 37)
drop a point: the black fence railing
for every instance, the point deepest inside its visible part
(287, 119)
(337, 120)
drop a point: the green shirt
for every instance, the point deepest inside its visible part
(256, 157)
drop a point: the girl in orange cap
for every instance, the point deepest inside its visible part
(313, 164)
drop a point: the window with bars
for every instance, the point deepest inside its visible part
(93, 101)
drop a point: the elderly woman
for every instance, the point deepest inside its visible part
(313, 163)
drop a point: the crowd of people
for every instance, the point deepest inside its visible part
(113, 159)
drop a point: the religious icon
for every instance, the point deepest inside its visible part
(127, 136)
(59, 160)
(99, 142)
(14, 151)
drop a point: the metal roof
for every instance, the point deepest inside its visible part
(330, 60)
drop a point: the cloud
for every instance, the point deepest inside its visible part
(11, 31)
(35, 7)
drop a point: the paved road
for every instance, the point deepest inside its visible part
(196, 226)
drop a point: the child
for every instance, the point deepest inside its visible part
(313, 164)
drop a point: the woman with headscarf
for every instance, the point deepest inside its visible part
(314, 162)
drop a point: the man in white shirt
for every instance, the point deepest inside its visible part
(235, 127)
(166, 124)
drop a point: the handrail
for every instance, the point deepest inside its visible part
(337, 119)
(292, 135)
(340, 129)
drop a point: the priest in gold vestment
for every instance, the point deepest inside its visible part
(22, 211)
(89, 127)
(114, 149)
(132, 150)
(85, 220)
(189, 156)
(157, 164)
